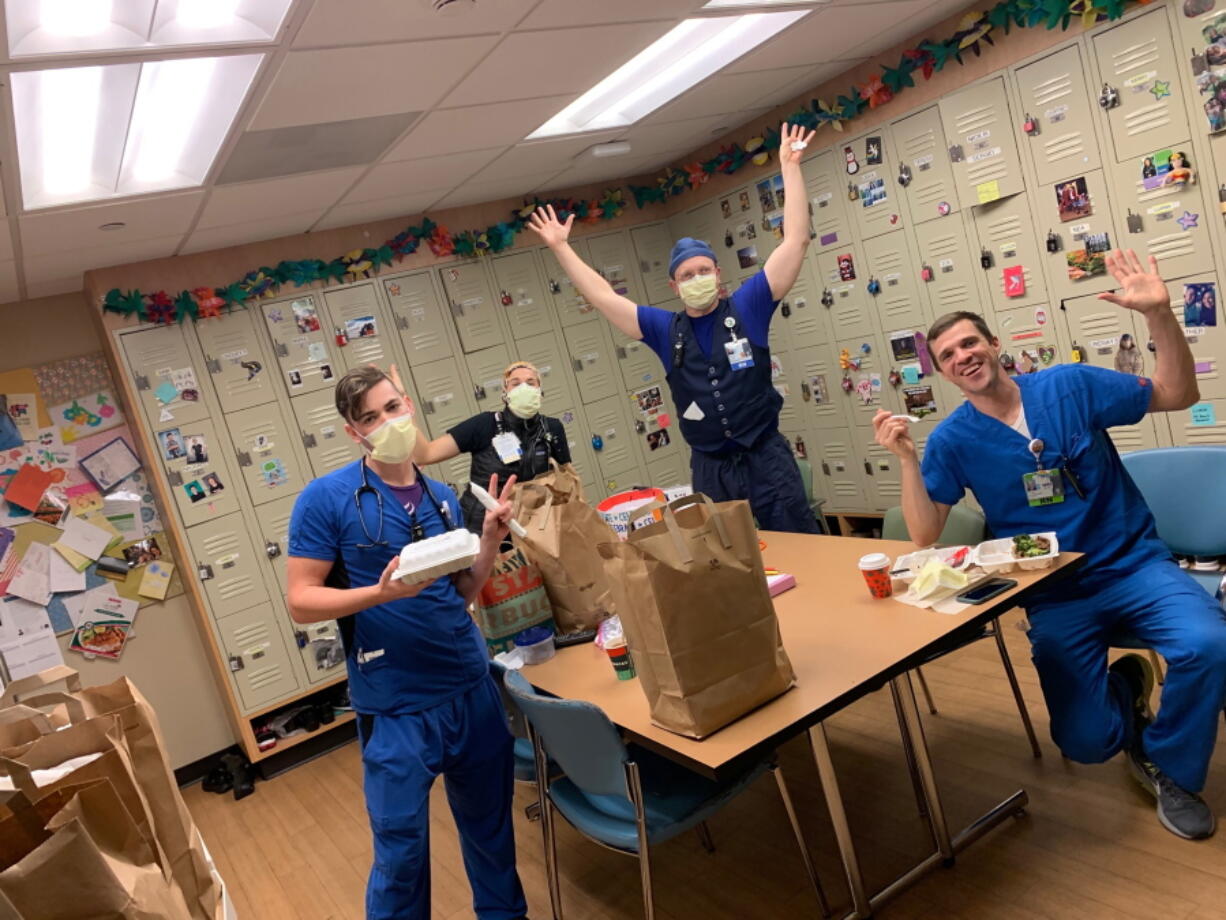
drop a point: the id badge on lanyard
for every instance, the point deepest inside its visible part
(740, 355)
(1043, 487)
(508, 448)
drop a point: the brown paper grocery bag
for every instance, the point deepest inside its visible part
(76, 854)
(142, 735)
(562, 533)
(691, 593)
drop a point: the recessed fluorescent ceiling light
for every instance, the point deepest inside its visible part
(688, 54)
(42, 27)
(92, 133)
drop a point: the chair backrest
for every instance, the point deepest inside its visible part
(806, 477)
(964, 526)
(519, 727)
(1185, 488)
(579, 736)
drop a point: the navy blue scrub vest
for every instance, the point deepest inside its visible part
(737, 406)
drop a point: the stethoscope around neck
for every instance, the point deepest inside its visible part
(416, 531)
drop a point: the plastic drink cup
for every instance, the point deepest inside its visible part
(875, 567)
(623, 665)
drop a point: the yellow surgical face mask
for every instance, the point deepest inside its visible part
(699, 292)
(393, 441)
(524, 400)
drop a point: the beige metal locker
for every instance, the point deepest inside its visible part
(1062, 210)
(472, 305)
(156, 356)
(1168, 220)
(357, 310)
(850, 310)
(265, 454)
(456, 472)
(258, 656)
(1203, 424)
(613, 256)
(980, 142)
(706, 223)
(786, 378)
(273, 522)
(779, 332)
(877, 205)
(1028, 335)
(420, 315)
(227, 566)
(652, 245)
(543, 351)
(669, 472)
(570, 306)
(620, 481)
(319, 644)
(521, 294)
(872, 373)
(899, 302)
(1006, 231)
(1206, 341)
(639, 364)
(827, 201)
(1136, 60)
(241, 372)
(842, 475)
(807, 317)
(485, 369)
(204, 489)
(945, 254)
(654, 420)
(1057, 98)
(882, 475)
(924, 173)
(445, 397)
(609, 426)
(818, 374)
(305, 349)
(327, 445)
(579, 440)
(592, 358)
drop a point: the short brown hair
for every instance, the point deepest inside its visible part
(948, 321)
(351, 389)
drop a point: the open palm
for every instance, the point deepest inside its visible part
(1140, 290)
(547, 226)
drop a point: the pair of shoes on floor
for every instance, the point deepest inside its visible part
(235, 772)
(1181, 812)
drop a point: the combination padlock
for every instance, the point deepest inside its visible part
(985, 258)
(827, 297)
(1053, 241)
(904, 175)
(1109, 98)
(1030, 125)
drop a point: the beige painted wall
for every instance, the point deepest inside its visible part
(166, 658)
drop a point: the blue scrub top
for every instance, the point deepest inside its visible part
(432, 649)
(1068, 407)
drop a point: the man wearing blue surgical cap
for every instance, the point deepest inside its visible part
(715, 353)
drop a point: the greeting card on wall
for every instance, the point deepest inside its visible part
(86, 415)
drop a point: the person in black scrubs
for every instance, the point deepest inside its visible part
(514, 440)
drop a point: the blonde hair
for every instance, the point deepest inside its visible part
(518, 365)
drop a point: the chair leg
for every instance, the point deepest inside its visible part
(1159, 671)
(1017, 690)
(909, 753)
(635, 788)
(932, 707)
(548, 831)
(704, 835)
(810, 869)
(532, 811)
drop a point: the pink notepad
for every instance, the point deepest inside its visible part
(779, 582)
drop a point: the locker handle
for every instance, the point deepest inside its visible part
(203, 571)
(282, 350)
(236, 663)
(142, 382)
(868, 467)
(308, 440)
(428, 404)
(621, 351)
(577, 364)
(244, 458)
(174, 478)
(213, 364)
(825, 468)
(479, 392)
(401, 321)
(457, 308)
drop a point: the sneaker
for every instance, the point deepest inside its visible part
(1183, 813)
(1138, 675)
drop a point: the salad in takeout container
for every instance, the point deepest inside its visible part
(907, 567)
(1024, 551)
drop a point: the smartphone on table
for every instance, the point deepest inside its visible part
(986, 590)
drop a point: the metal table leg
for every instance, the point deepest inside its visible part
(838, 817)
(905, 695)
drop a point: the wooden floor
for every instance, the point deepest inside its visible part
(1090, 846)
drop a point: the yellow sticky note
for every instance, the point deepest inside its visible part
(156, 579)
(988, 191)
(78, 562)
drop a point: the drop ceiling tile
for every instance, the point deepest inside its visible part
(73, 263)
(924, 17)
(9, 290)
(591, 172)
(539, 157)
(477, 126)
(406, 176)
(237, 204)
(254, 231)
(481, 192)
(409, 207)
(570, 61)
(61, 232)
(368, 81)
(728, 93)
(360, 22)
(653, 138)
(553, 14)
(34, 290)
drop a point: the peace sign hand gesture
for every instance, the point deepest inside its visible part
(790, 135)
(1140, 290)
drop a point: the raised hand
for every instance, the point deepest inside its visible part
(1140, 290)
(789, 135)
(894, 434)
(544, 221)
(497, 524)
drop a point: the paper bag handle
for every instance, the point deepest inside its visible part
(12, 693)
(697, 498)
(76, 709)
(23, 778)
(21, 713)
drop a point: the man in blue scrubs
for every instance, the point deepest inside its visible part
(715, 354)
(1034, 449)
(419, 675)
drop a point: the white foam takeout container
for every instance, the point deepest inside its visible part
(421, 562)
(996, 556)
(907, 568)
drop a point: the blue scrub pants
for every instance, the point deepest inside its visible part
(465, 739)
(766, 475)
(1168, 611)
